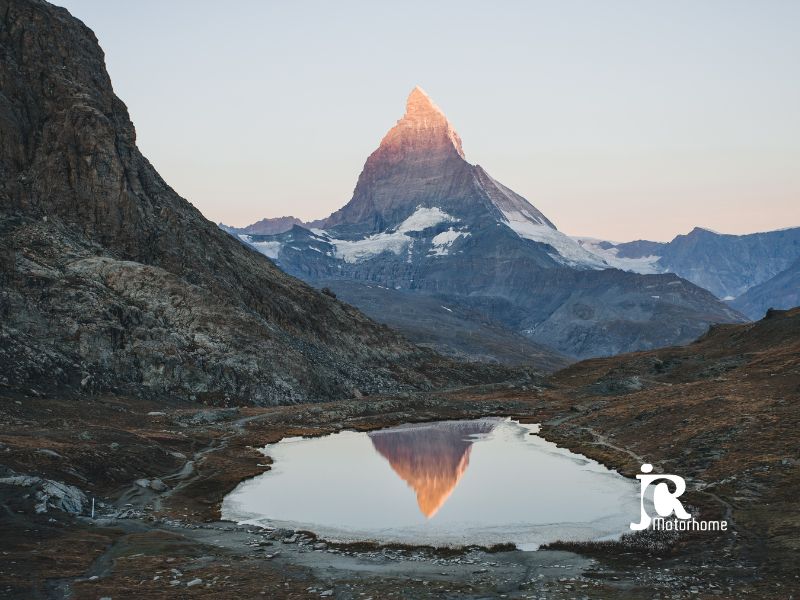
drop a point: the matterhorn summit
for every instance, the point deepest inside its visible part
(429, 236)
(420, 163)
(424, 127)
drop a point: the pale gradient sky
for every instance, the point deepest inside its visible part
(617, 119)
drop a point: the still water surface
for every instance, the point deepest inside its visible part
(448, 483)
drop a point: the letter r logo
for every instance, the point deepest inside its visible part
(665, 502)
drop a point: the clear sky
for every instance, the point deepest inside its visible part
(620, 119)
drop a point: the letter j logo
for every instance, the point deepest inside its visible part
(665, 502)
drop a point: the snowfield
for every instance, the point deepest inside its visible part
(358, 250)
(396, 241)
(646, 265)
(575, 252)
(440, 244)
(568, 251)
(424, 218)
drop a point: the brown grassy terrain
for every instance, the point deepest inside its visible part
(721, 412)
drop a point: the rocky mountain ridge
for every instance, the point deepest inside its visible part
(269, 226)
(111, 282)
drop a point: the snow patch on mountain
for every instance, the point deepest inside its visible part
(396, 241)
(268, 249)
(645, 265)
(352, 251)
(567, 250)
(424, 218)
(440, 244)
(358, 250)
(506, 199)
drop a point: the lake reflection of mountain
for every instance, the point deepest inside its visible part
(519, 489)
(431, 457)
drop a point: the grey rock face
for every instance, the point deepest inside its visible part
(49, 493)
(423, 220)
(781, 292)
(112, 282)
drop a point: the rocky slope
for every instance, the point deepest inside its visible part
(721, 412)
(450, 329)
(424, 220)
(112, 282)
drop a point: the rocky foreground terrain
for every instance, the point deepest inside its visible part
(145, 355)
(721, 412)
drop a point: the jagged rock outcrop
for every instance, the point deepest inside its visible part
(110, 281)
(422, 219)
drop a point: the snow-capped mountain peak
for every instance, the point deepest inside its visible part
(425, 223)
(419, 172)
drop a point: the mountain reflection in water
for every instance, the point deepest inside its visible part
(485, 482)
(431, 458)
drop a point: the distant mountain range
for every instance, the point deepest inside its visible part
(752, 272)
(726, 265)
(425, 222)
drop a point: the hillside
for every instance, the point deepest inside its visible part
(451, 330)
(721, 412)
(112, 282)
